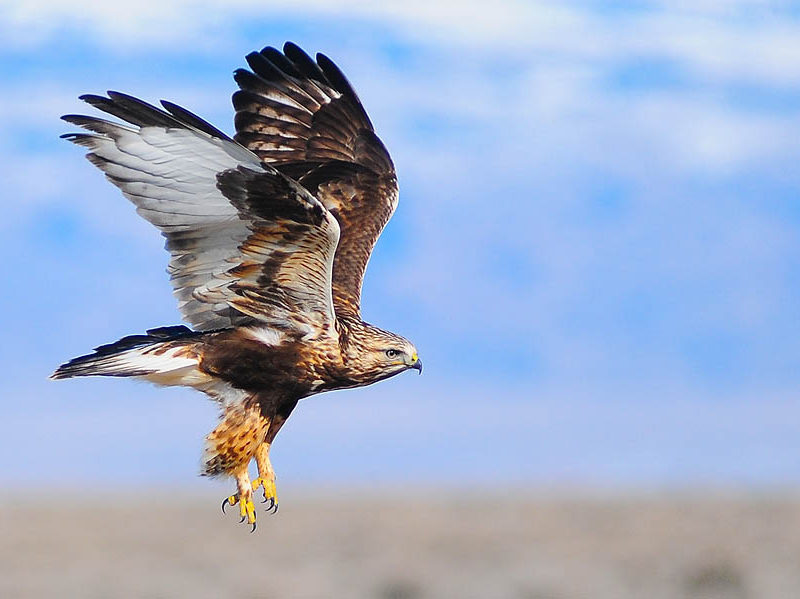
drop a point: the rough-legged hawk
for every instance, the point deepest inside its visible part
(269, 234)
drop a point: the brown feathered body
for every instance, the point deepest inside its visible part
(269, 235)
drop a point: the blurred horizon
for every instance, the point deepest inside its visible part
(596, 251)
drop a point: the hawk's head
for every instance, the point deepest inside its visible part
(380, 354)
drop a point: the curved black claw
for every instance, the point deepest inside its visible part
(271, 501)
(243, 519)
(273, 506)
(252, 530)
(267, 499)
(224, 503)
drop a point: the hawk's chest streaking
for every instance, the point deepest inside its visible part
(269, 234)
(286, 365)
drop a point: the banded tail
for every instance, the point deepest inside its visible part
(164, 355)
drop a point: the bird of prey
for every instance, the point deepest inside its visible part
(269, 234)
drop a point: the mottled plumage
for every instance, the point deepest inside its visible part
(269, 234)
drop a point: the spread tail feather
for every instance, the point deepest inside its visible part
(160, 352)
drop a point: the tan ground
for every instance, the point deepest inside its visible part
(524, 547)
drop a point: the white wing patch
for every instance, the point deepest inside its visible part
(170, 175)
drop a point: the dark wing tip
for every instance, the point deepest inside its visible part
(87, 140)
(191, 119)
(251, 56)
(129, 102)
(303, 62)
(95, 100)
(114, 95)
(244, 77)
(335, 76)
(277, 58)
(262, 66)
(131, 109)
(290, 48)
(60, 373)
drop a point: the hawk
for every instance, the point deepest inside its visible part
(269, 234)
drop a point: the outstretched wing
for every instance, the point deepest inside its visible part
(303, 117)
(246, 242)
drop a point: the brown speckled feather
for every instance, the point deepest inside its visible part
(285, 271)
(304, 118)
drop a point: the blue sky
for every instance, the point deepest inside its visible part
(596, 251)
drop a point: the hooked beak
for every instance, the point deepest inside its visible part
(417, 365)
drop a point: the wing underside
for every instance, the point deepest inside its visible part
(246, 243)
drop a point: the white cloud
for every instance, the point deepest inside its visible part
(175, 20)
(731, 40)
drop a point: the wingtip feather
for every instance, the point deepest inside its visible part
(91, 98)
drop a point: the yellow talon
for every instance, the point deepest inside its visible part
(246, 487)
(247, 510)
(244, 497)
(266, 477)
(270, 491)
(251, 512)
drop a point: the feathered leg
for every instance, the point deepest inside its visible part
(231, 446)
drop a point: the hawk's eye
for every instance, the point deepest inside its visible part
(392, 353)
